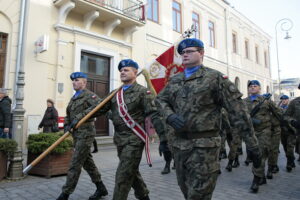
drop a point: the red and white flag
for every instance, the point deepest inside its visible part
(163, 67)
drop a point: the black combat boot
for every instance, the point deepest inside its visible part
(247, 161)
(145, 198)
(222, 155)
(255, 186)
(168, 159)
(173, 167)
(262, 181)
(236, 162)
(229, 165)
(275, 169)
(166, 170)
(100, 192)
(63, 196)
(270, 172)
(289, 165)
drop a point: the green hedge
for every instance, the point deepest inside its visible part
(38, 143)
(8, 146)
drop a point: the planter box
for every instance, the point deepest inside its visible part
(51, 165)
(3, 165)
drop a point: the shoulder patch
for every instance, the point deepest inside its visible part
(224, 77)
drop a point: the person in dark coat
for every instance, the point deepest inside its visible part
(5, 114)
(50, 119)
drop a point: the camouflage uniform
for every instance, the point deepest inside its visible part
(140, 104)
(275, 142)
(198, 99)
(292, 113)
(83, 138)
(263, 128)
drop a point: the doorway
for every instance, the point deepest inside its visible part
(97, 68)
(3, 48)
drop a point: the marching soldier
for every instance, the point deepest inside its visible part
(261, 109)
(129, 108)
(292, 114)
(191, 103)
(80, 105)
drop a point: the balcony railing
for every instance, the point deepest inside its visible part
(131, 8)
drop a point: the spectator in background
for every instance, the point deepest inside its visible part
(5, 113)
(50, 119)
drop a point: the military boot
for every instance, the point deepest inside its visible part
(275, 169)
(63, 196)
(229, 165)
(247, 161)
(166, 170)
(289, 165)
(255, 186)
(145, 198)
(223, 155)
(262, 181)
(270, 172)
(100, 192)
(236, 162)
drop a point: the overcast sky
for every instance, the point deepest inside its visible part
(266, 13)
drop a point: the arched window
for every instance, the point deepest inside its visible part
(237, 83)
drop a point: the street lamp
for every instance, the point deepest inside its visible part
(285, 25)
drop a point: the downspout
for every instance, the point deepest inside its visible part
(226, 39)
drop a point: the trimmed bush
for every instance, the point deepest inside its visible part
(38, 143)
(8, 146)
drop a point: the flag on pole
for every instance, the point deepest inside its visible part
(163, 67)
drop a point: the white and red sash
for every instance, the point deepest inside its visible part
(134, 126)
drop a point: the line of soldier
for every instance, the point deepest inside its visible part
(186, 115)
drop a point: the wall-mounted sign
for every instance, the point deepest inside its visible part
(42, 44)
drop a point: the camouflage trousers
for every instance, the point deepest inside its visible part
(197, 171)
(81, 158)
(234, 144)
(128, 175)
(288, 141)
(274, 147)
(264, 138)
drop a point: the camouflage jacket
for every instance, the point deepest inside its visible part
(199, 99)
(79, 107)
(267, 110)
(293, 111)
(140, 104)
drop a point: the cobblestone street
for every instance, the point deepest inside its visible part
(231, 185)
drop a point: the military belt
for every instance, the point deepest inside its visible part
(197, 135)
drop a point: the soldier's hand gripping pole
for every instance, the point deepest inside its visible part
(64, 136)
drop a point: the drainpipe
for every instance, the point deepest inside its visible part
(226, 39)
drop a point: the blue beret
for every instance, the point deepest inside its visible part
(189, 42)
(284, 97)
(127, 63)
(75, 75)
(254, 82)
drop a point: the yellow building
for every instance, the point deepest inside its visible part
(63, 36)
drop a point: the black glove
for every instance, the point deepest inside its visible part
(254, 154)
(255, 121)
(163, 146)
(68, 128)
(176, 121)
(296, 124)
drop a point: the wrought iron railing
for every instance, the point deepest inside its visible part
(130, 8)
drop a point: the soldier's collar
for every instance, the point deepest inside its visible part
(132, 87)
(199, 73)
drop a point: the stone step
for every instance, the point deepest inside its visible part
(105, 142)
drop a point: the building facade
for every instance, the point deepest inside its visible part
(92, 36)
(288, 86)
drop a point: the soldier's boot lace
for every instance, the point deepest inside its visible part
(100, 192)
(255, 186)
(229, 165)
(166, 170)
(262, 181)
(236, 162)
(63, 196)
(270, 172)
(145, 198)
(275, 169)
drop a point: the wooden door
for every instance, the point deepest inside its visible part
(3, 47)
(97, 68)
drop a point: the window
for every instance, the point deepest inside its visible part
(247, 48)
(195, 18)
(266, 58)
(256, 54)
(211, 29)
(176, 16)
(234, 43)
(152, 13)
